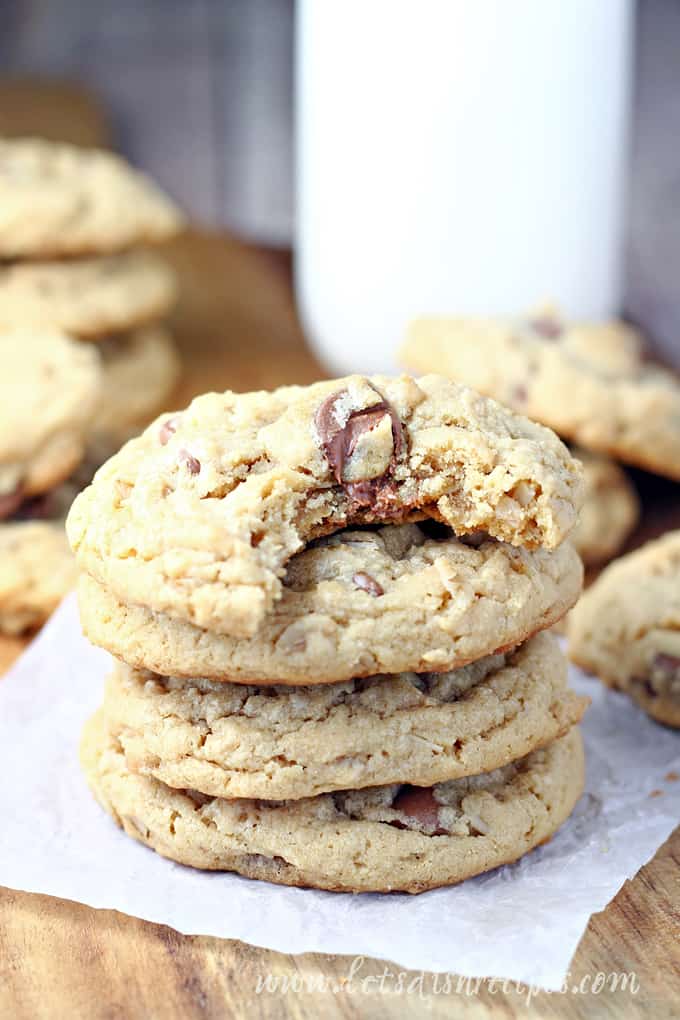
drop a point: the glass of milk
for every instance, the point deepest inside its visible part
(460, 157)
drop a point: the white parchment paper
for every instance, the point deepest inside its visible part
(521, 922)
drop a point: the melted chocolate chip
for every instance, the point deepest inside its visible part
(338, 442)
(167, 429)
(545, 326)
(418, 803)
(368, 584)
(192, 464)
(10, 502)
(379, 494)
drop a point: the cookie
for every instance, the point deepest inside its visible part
(88, 297)
(58, 199)
(37, 570)
(383, 839)
(588, 382)
(283, 743)
(610, 510)
(355, 604)
(139, 372)
(49, 386)
(198, 517)
(626, 627)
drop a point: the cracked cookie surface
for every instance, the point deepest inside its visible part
(88, 297)
(280, 743)
(49, 386)
(590, 383)
(58, 199)
(378, 840)
(198, 517)
(356, 603)
(626, 627)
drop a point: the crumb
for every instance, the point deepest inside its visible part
(671, 777)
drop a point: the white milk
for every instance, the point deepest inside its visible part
(456, 156)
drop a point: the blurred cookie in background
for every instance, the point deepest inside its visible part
(60, 200)
(37, 570)
(139, 372)
(49, 388)
(90, 297)
(610, 510)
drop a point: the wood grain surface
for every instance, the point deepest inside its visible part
(237, 327)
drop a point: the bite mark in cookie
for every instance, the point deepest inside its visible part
(278, 470)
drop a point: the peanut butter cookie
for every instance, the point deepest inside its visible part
(198, 517)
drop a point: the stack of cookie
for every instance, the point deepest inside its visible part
(69, 221)
(71, 225)
(591, 383)
(329, 607)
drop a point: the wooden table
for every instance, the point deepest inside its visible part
(237, 327)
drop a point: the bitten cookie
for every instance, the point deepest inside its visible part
(49, 386)
(198, 517)
(37, 570)
(379, 840)
(139, 372)
(588, 382)
(58, 199)
(279, 743)
(89, 297)
(610, 510)
(626, 627)
(358, 603)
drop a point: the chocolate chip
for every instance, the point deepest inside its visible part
(667, 665)
(663, 679)
(167, 429)
(193, 465)
(10, 502)
(419, 803)
(644, 685)
(367, 583)
(39, 508)
(519, 394)
(338, 442)
(547, 327)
